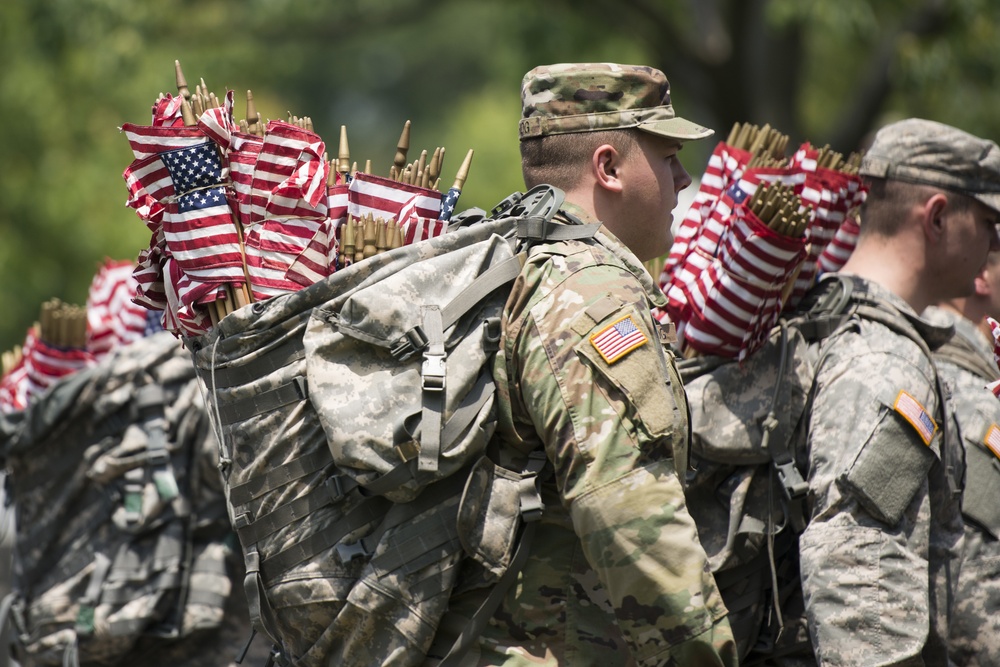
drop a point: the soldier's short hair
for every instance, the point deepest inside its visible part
(880, 213)
(561, 159)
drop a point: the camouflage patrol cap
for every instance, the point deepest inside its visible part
(932, 153)
(587, 97)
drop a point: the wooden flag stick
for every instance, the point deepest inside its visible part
(399, 160)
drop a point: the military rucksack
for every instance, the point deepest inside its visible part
(117, 540)
(353, 417)
(748, 495)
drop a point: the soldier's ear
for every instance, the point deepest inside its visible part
(933, 217)
(983, 287)
(606, 165)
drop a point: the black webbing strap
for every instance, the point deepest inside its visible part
(330, 491)
(368, 511)
(792, 483)
(539, 229)
(400, 513)
(285, 354)
(279, 476)
(244, 408)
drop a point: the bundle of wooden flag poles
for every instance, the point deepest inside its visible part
(760, 228)
(245, 211)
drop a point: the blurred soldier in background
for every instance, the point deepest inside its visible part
(966, 364)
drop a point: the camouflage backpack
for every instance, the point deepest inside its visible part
(748, 491)
(353, 417)
(117, 539)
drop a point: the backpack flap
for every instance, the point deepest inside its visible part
(730, 401)
(399, 375)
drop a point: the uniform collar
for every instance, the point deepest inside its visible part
(965, 329)
(618, 249)
(865, 290)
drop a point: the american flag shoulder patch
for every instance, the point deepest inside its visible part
(618, 339)
(992, 440)
(910, 409)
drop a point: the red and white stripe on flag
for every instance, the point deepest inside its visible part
(149, 185)
(184, 295)
(703, 227)
(217, 123)
(147, 140)
(837, 252)
(272, 246)
(388, 199)
(724, 163)
(242, 159)
(167, 111)
(735, 302)
(13, 386)
(319, 258)
(995, 330)
(295, 210)
(280, 155)
(46, 364)
(992, 439)
(113, 317)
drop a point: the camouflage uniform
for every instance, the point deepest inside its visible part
(616, 574)
(875, 574)
(883, 516)
(966, 364)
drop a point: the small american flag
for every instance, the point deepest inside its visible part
(113, 318)
(911, 410)
(618, 339)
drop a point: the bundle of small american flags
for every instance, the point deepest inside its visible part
(70, 338)
(245, 212)
(739, 259)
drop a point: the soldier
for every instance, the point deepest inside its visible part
(616, 575)
(966, 363)
(880, 471)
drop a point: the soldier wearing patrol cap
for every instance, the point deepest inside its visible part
(616, 575)
(879, 554)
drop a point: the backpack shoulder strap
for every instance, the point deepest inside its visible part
(820, 319)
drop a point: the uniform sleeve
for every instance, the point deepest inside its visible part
(864, 555)
(600, 394)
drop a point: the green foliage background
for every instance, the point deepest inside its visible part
(73, 71)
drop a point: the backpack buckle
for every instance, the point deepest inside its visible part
(791, 481)
(348, 552)
(432, 373)
(412, 341)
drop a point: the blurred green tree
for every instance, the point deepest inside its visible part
(827, 71)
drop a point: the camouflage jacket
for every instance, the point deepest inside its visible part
(883, 507)
(617, 575)
(966, 364)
